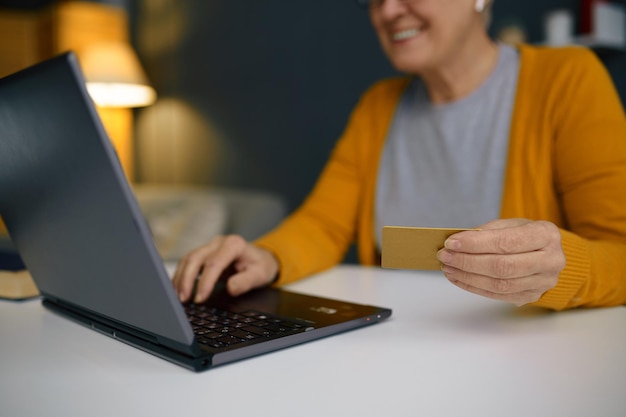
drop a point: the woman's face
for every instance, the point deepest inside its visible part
(424, 35)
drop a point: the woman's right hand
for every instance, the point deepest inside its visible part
(253, 267)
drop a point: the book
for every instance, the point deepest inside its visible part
(15, 280)
(17, 285)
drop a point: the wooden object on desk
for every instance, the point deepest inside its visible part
(17, 285)
(3, 228)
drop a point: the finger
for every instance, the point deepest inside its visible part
(502, 286)
(245, 281)
(180, 283)
(259, 268)
(517, 298)
(216, 263)
(189, 268)
(177, 279)
(503, 223)
(528, 237)
(493, 265)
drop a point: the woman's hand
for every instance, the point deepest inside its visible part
(252, 267)
(514, 260)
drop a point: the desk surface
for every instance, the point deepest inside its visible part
(444, 352)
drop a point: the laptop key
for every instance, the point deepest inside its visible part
(244, 335)
(230, 340)
(256, 330)
(218, 329)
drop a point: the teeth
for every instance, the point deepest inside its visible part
(405, 34)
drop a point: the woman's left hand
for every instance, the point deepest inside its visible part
(514, 260)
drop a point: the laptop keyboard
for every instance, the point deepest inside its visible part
(217, 328)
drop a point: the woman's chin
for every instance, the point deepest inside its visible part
(410, 66)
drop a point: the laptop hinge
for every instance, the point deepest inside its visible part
(116, 329)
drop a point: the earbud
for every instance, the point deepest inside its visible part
(480, 6)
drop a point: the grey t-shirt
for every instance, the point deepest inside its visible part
(443, 165)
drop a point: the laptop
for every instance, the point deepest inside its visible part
(74, 220)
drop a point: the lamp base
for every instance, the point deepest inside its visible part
(118, 123)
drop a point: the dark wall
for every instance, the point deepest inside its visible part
(279, 77)
(530, 15)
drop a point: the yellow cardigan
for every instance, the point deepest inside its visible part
(566, 164)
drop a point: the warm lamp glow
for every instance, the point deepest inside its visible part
(114, 76)
(120, 95)
(116, 82)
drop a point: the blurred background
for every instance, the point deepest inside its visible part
(251, 95)
(254, 93)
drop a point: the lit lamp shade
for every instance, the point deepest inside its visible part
(114, 75)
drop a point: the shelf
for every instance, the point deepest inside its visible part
(591, 42)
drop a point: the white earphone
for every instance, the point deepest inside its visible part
(480, 6)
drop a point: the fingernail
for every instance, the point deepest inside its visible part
(444, 256)
(181, 297)
(452, 244)
(447, 270)
(198, 299)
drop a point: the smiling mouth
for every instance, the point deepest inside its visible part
(405, 34)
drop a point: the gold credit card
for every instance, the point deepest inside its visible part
(414, 247)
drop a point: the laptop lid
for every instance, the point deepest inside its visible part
(69, 209)
(75, 222)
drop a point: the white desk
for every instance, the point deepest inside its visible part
(444, 352)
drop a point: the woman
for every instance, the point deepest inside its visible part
(534, 138)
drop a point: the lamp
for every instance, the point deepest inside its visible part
(116, 82)
(114, 76)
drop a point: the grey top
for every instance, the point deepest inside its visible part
(443, 165)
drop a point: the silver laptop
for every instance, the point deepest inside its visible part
(76, 224)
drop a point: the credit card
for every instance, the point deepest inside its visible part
(413, 247)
